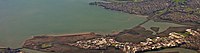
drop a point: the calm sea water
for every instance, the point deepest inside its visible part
(21, 19)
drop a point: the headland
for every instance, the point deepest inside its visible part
(134, 40)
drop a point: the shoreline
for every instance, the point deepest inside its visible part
(140, 15)
(35, 38)
(126, 7)
(80, 34)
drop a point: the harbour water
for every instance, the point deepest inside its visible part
(21, 19)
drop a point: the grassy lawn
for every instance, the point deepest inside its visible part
(179, 1)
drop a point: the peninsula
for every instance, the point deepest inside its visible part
(134, 40)
(184, 37)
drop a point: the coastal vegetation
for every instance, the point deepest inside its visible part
(134, 40)
(179, 1)
(156, 29)
(160, 10)
(137, 0)
(46, 45)
(177, 38)
(126, 0)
